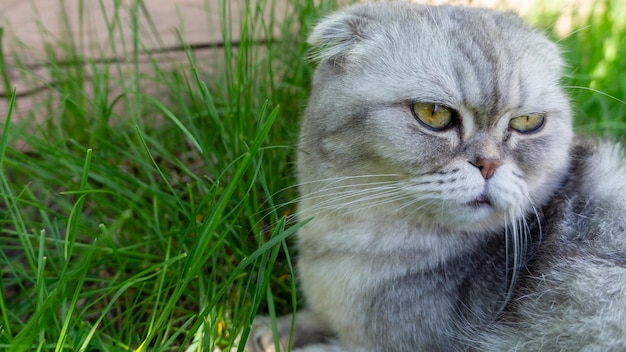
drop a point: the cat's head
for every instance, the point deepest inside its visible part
(451, 116)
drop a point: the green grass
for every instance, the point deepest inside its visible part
(158, 221)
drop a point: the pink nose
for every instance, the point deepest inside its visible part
(486, 166)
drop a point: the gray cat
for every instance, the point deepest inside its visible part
(452, 207)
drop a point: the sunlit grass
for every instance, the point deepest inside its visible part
(155, 221)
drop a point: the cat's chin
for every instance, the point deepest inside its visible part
(480, 202)
(473, 218)
(482, 214)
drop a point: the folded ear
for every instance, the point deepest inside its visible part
(337, 36)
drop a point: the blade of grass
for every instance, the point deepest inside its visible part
(40, 285)
(3, 67)
(158, 169)
(176, 121)
(5, 190)
(72, 223)
(4, 142)
(7, 194)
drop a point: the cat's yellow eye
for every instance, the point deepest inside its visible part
(433, 115)
(527, 123)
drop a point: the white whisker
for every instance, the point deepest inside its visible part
(598, 92)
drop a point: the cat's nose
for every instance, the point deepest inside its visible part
(486, 166)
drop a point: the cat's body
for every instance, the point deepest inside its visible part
(452, 207)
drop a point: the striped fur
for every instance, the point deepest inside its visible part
(411, 247)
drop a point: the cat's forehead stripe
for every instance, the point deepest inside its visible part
(483, 74)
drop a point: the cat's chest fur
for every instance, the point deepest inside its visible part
(381, 287)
